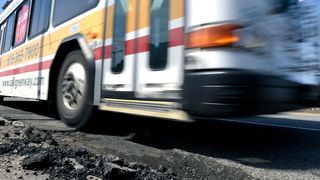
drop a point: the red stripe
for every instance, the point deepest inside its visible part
(46, 64)
(129, 47)
(6, 73)
(97, 53)
(176, 37)
(107, 51)
(29, 68)
(143, 44)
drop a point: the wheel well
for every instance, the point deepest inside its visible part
(62, 52)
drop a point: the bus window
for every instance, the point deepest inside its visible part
(3, 27)
(159, 34)
(1, 34)
(9, 33)
(119, 33)
(40, 15)
(65, 10)
(21, 23)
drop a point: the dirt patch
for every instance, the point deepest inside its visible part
(42, 154)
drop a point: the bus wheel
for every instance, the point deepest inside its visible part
(74, 94)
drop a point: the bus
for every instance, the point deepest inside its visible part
(173, 59)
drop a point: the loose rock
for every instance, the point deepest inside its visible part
(89, 177)
(115, 171)
(2, 122)
(118, 161)
(36, 162)
(6, 135)
(137, 166)
(75, 164)
(18, 124)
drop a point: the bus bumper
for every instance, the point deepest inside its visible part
(235, 92)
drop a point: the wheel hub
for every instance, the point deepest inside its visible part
(74, 86)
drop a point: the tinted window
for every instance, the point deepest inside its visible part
(3, 26)
(159, 34)
(1, 39)
(65, 10)
(39, 17)
(9, 33)
(21, 23)
(119, 32)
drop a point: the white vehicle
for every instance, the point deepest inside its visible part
(171, 59)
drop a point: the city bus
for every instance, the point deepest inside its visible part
(173, 59)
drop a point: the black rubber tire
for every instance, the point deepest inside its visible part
(78, 118)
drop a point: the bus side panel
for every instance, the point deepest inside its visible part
(91, 26)
(25, 70)
(19, 70)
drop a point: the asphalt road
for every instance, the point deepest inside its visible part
(284, 146)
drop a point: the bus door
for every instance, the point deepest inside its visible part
(119, 59)
(143, 49)
(160, 49)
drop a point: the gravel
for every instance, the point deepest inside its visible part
(2, 122)
(43, 154)
(128, 147)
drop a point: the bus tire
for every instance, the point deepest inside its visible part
(74, 92)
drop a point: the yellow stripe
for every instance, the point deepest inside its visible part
(144, 14)
(131, 17)
(109, 24)
(176, 9)
(31, 50)
(85, 24)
